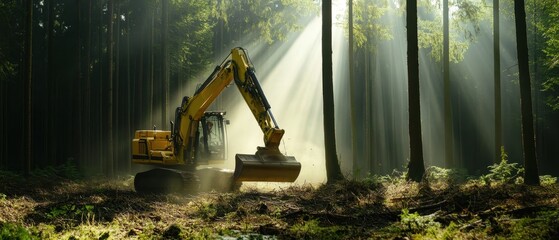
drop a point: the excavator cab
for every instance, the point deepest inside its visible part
(212, 141)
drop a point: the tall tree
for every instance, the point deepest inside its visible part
(531, 176)
(77, 103)
(416, 167)
(164, 61)
(333, 171)
(86, 152)
(356, 157)
(448, 136)
(151, 61)
(28, 76)
(497, 80)
(110, 60)
(129, 110)
(117, 127)
(51, 141)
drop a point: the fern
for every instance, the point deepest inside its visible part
(503, 172)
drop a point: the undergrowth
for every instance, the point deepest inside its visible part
(67, 170)
(14, 231)
(490, 206)
(312, 229)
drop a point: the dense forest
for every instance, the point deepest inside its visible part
(378, 99)
(101, 70)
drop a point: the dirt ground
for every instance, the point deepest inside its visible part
(57, 208)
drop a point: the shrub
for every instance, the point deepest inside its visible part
(503, 172)
(14, 231)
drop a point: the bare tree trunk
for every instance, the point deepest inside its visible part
(110, 161)
(151, 67)
(369, 141)
(52, 89)
(497, 81)
(333, 172)
(448, 136)
(78, 130)
(100, 153)
(531, 176)
(116, 94)
(357, 158)
(416, 167)
(28, 76)
(128, 94)
(87, 96)
(164, 62)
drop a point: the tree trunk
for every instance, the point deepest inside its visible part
(28, 76)
(52, 102)
(78, 130)
(448, 136)
(531, 176)
(87, 93)
(110, 163)
(164, 62)
(116, 94)
(497, 81)
(371, 164)
(128, 94)
(99, 128)
(416, 168)
(151, 68)
(333, 172)
(357, 166)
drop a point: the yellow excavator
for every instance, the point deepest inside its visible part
(197, 136)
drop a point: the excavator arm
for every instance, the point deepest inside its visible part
(268, 164)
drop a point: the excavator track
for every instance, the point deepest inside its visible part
(165, 180)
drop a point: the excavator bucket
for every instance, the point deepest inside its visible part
(266, 166)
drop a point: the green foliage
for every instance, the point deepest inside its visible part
(312, 230)
(7, 68)
(503, 172)
(67, 170)
(464, 27)
(44, 231)
(396, 177)
(71, 211)
(9, 176)
(415, 223)
(436, 174)
(14, 231)
(207, 210)
(368, 28)
(269, 20)
(547, 180)
(10, 44)
(548, 30)
(191, 28)
(544, 226)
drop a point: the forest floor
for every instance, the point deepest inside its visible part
(53, 207)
